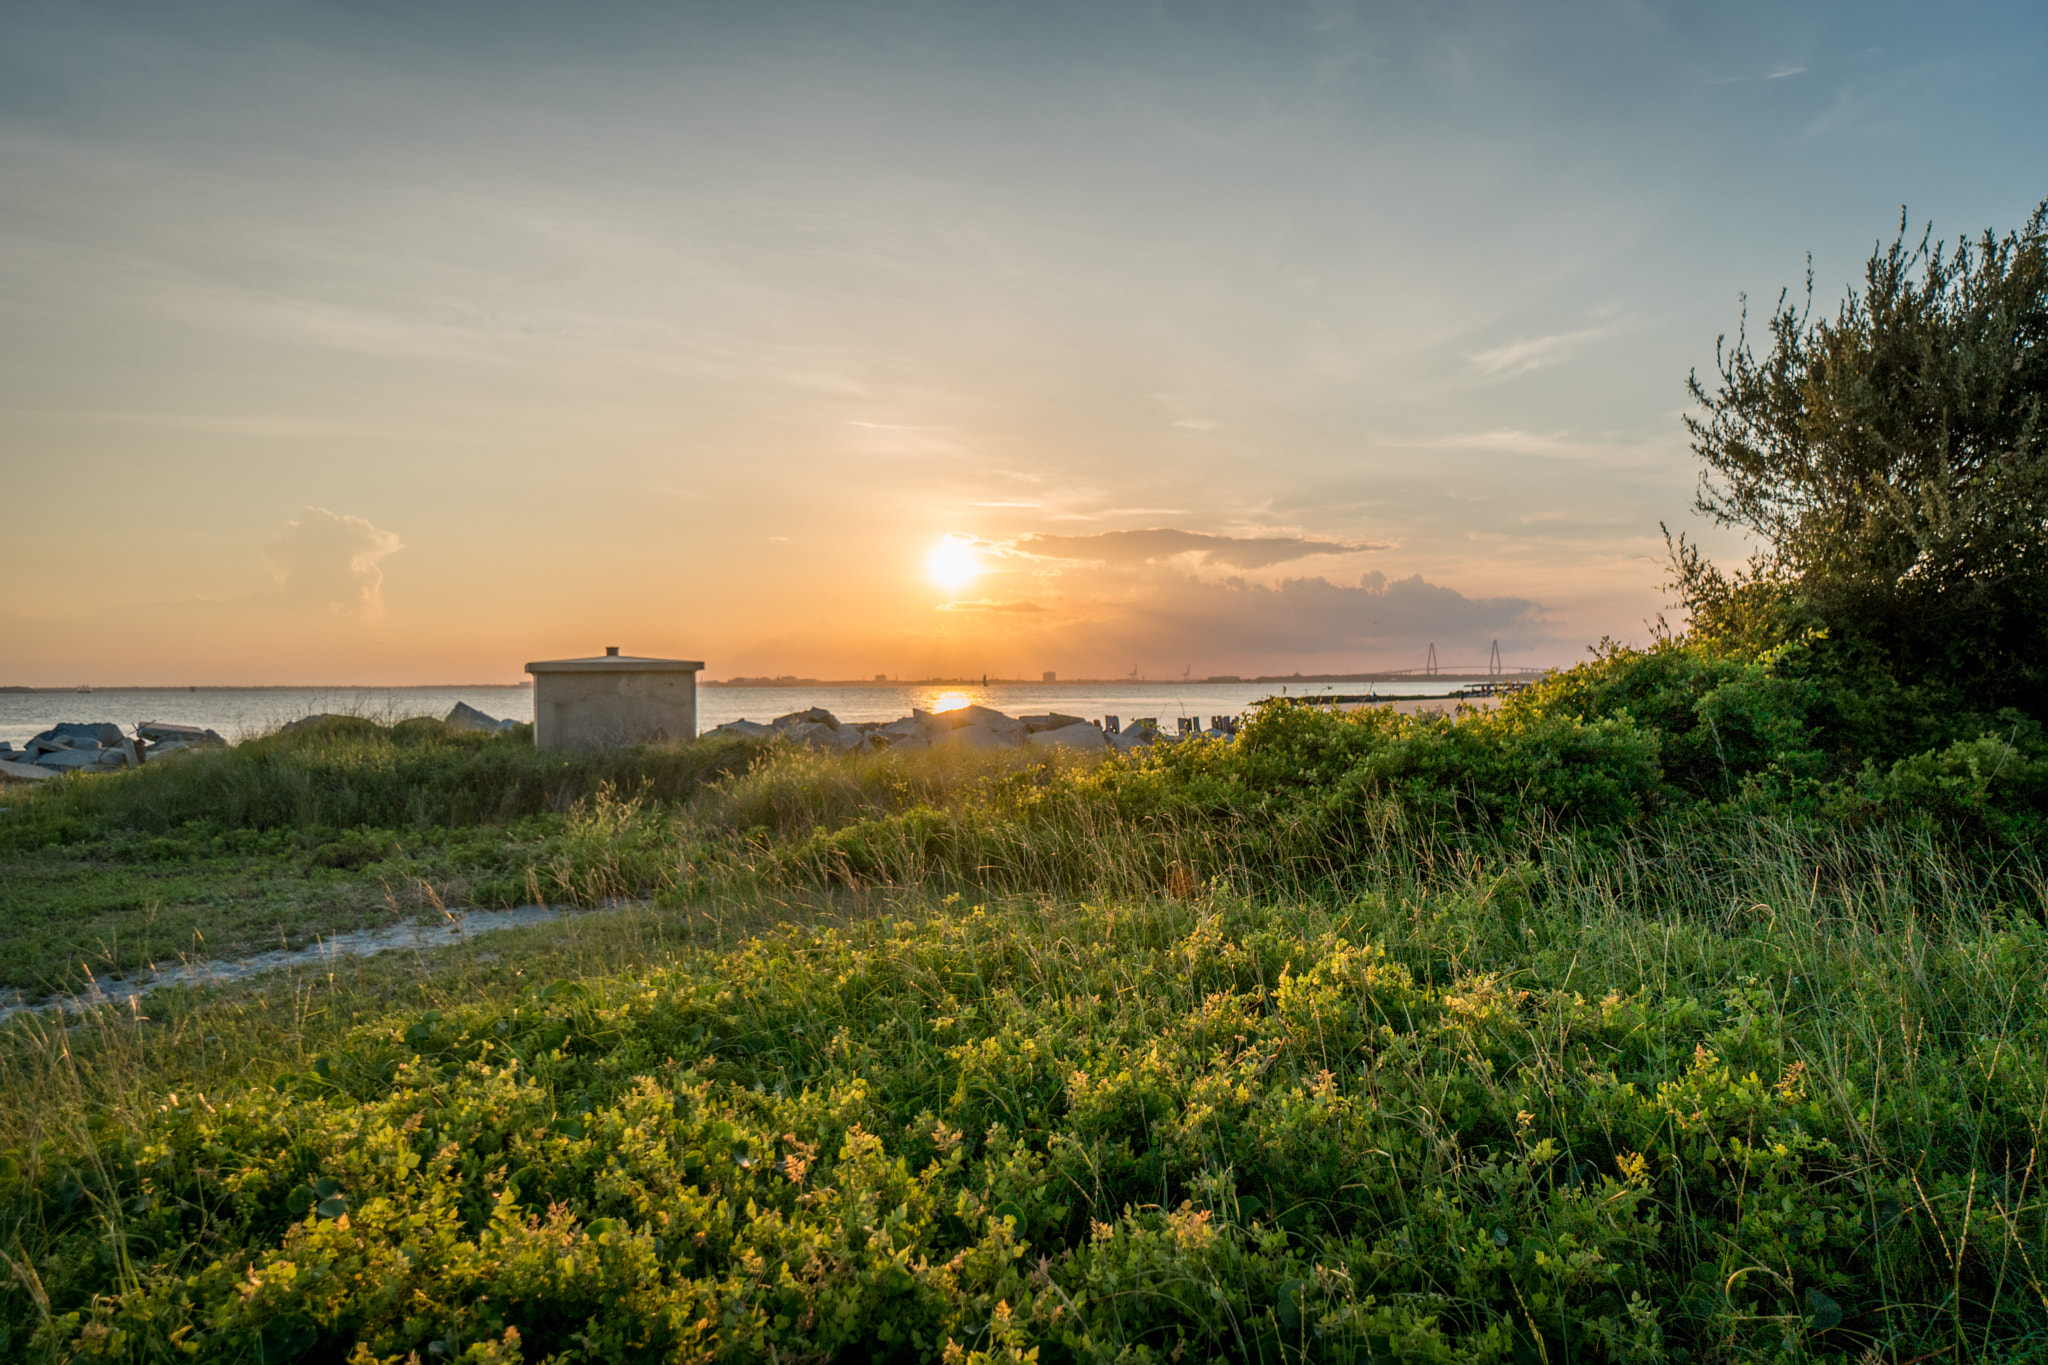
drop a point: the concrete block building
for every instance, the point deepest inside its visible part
(613, 699)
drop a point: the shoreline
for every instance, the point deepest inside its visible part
(1272, 680)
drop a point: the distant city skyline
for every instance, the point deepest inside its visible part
(368, 344)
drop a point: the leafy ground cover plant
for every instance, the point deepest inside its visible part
(1508, 1114)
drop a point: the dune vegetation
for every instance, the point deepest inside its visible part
(1549, 1031)
(1687, 1007)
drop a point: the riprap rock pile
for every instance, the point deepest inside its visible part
(968, 727)
(99, 746)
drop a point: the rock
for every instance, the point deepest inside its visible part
(1051, 720)
(817, 715)
(988, 719)
(746, 729)
(80, 760)
(465, 717)
(159, 729)
(897, 734)
(1080, 735)
(27, 772)
(189, 736)
(827, 738)
(978, 737)
(104, 734)
(1126, 740)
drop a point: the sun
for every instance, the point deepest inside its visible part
(953, 564)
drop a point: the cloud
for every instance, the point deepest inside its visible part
(1125, 548)
(986, 605)
(1520, 357)
(1309, 617)
(1782, 72)
(331, 561)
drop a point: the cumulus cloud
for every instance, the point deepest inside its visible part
(331, 561)
(1123, 548)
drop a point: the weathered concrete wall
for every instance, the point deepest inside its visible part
(601, 707)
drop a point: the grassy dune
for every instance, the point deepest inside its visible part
(1225, 1053)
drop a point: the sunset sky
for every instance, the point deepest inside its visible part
(397, 343)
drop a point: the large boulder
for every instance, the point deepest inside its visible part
(1009, 728)
(977, 737)
(909, 732)
(1080, 735)
(1051, 720)
(832, 738)
(82, 759)
(465, 717)
(104, 734)
(190, 736)
(816, 715)
(746, 729)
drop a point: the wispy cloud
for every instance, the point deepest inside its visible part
(1782, 72)
(986, 605)
(1520, 357)
(1164, 543)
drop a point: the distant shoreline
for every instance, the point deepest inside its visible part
(1278, 679)
(84, 688)
(1281, 679)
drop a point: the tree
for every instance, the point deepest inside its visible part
(1892, 465)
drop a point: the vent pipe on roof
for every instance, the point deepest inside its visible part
(611, 651)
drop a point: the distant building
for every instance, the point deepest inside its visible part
(881, 677)
(1050, 676)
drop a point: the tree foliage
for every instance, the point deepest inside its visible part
(1891, 462)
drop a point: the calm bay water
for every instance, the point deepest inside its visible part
(242, 713)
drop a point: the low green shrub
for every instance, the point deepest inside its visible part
(1524, 1117)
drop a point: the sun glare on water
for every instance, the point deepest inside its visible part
(953, 564)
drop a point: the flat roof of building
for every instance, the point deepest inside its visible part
(611, 661)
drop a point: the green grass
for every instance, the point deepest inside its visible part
(1230, 1052)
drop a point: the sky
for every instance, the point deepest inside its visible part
(392, 343)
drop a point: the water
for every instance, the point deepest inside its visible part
(454, 927)
(239, 713)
